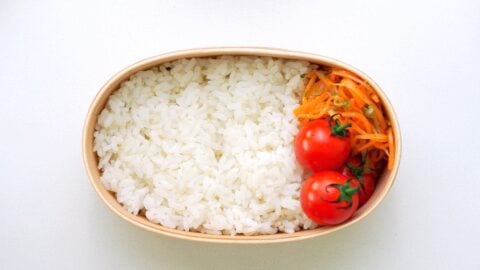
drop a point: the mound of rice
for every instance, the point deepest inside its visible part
(207, 145)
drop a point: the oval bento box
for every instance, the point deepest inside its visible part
(90, 158)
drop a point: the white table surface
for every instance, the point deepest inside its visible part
(55, 55)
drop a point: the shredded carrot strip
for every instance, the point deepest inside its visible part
(362, 119)
(326, 106)
(317, 86)
(366, 146)
(309, 86)
(383, 146)
(373, 137)
(375, 98)
(379, 116)
(355, 90)
(343, 92)
(358, 129)
(391, 147)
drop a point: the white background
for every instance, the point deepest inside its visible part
(55, 55)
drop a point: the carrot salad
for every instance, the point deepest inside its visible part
(336, 91)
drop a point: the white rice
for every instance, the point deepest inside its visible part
(207, 145)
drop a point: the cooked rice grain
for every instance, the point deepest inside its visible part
(207, 145)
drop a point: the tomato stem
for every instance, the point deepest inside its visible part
(357, 171)
(349, 191)
(346, 193)
(336, 129)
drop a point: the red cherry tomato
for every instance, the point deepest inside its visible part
(329, 198)
(365, 177)
(322, 145)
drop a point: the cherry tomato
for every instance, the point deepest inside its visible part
(357, 169)
(329, 197)
(322, 145)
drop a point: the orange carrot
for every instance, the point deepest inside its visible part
(391, 146)
(362, 119)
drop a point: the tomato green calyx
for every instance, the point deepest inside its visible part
(337, 129)
(346, 193)
(357, 171)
